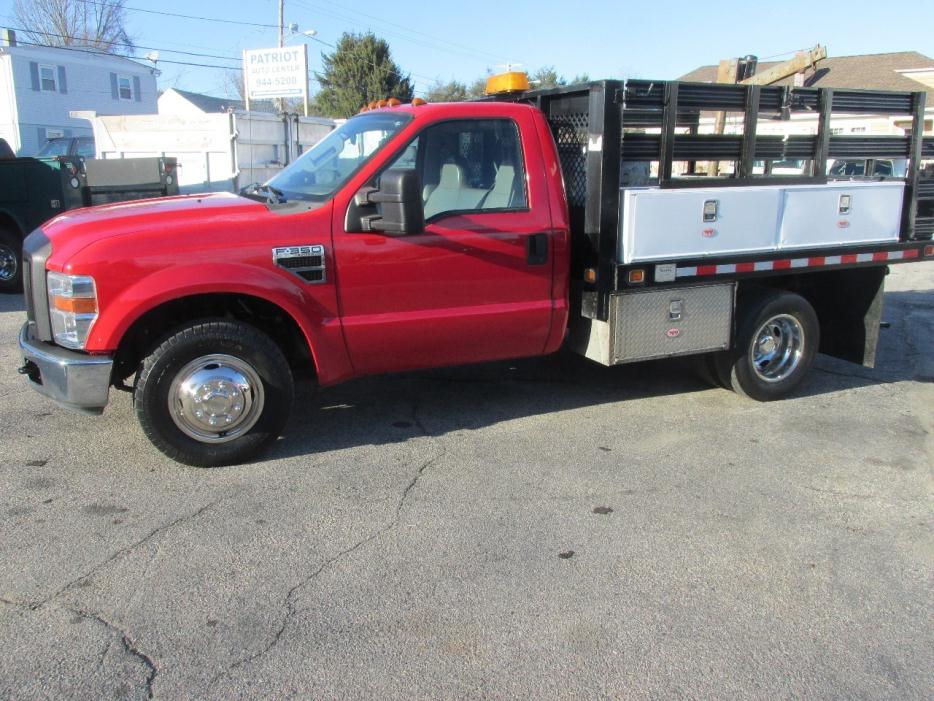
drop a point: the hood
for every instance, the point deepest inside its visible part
(76, 229)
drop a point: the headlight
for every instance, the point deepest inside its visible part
(72, 308)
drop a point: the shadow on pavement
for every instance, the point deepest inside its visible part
(12, 303)
(393, 408)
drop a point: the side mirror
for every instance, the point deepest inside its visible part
(398, 203)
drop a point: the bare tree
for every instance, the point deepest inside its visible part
(96, 24)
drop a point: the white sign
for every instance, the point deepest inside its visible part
(279, 72)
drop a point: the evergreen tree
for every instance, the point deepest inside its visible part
(359, 70)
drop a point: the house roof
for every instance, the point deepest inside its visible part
(867, 71)
(209, 103)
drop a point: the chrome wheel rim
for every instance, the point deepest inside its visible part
(9, 263)
(216, 398)
(777, 348)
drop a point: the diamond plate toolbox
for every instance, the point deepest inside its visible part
(676, 321)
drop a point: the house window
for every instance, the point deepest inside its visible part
(47, 79)
(125, 87)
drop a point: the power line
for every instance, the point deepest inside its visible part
(433, 41)
(176, 14)
(238, 22)
(118, 43)
(132, 58)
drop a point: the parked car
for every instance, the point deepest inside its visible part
(892, 167)
(82, 146)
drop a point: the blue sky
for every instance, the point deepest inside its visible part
(463, 39)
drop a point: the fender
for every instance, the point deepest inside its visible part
(15, 219)
(321, 329)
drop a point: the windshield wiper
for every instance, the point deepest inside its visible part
(264, 193)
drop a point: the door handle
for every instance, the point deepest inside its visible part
(537, 249)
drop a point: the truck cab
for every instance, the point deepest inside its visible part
(315, 263)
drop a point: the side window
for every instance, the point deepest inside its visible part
(47, 78)
(124, 87)
(470, 166)
(86, 147)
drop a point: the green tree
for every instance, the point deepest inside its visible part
(452, 91)
(359, 70)
(99, 25)
(546, 77)
(478, 87)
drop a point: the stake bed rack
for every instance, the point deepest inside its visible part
(604, 127)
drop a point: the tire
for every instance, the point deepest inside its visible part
(775, 345)
(705, 367)
(11, 261)
(230, 372)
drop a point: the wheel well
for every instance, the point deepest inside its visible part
(848, 304)
(8, 223)
(149, 330)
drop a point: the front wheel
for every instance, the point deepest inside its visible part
(214, 393)
(776, 342)
(11, 254)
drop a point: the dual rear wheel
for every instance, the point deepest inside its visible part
(775, 344)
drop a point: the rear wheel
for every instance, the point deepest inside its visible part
(775, 346)
(11, 256)
(214, 393)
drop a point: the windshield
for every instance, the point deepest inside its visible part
(322, 170)
(54, 148)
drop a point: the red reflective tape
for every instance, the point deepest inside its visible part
(706, 269)
(910, 253)
(745, 267)
(848, 258)
(781, 264)
(879, 256)
(816, 260)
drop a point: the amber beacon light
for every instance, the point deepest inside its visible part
(512, 81)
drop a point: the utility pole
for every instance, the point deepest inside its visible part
(279, 101)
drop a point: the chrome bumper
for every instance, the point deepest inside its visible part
(74, 380)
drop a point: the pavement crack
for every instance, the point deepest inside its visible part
(133, 650)
(289, 602)
(129, 646)
(126, 550)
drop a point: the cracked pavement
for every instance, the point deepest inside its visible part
(542, 528)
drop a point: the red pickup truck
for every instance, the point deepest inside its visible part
(425, 235)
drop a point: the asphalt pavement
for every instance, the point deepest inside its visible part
(542, 528)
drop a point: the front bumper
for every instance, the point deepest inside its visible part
(74, 380)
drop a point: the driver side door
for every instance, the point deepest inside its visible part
(476, 284)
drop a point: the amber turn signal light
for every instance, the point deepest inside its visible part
(75, 305)
(636, 277)
(590, 275)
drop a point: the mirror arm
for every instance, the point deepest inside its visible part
(362, 198)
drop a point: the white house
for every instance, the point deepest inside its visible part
(40, 86)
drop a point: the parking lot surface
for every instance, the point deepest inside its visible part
(542, 528)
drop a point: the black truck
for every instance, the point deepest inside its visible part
(33, 190)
